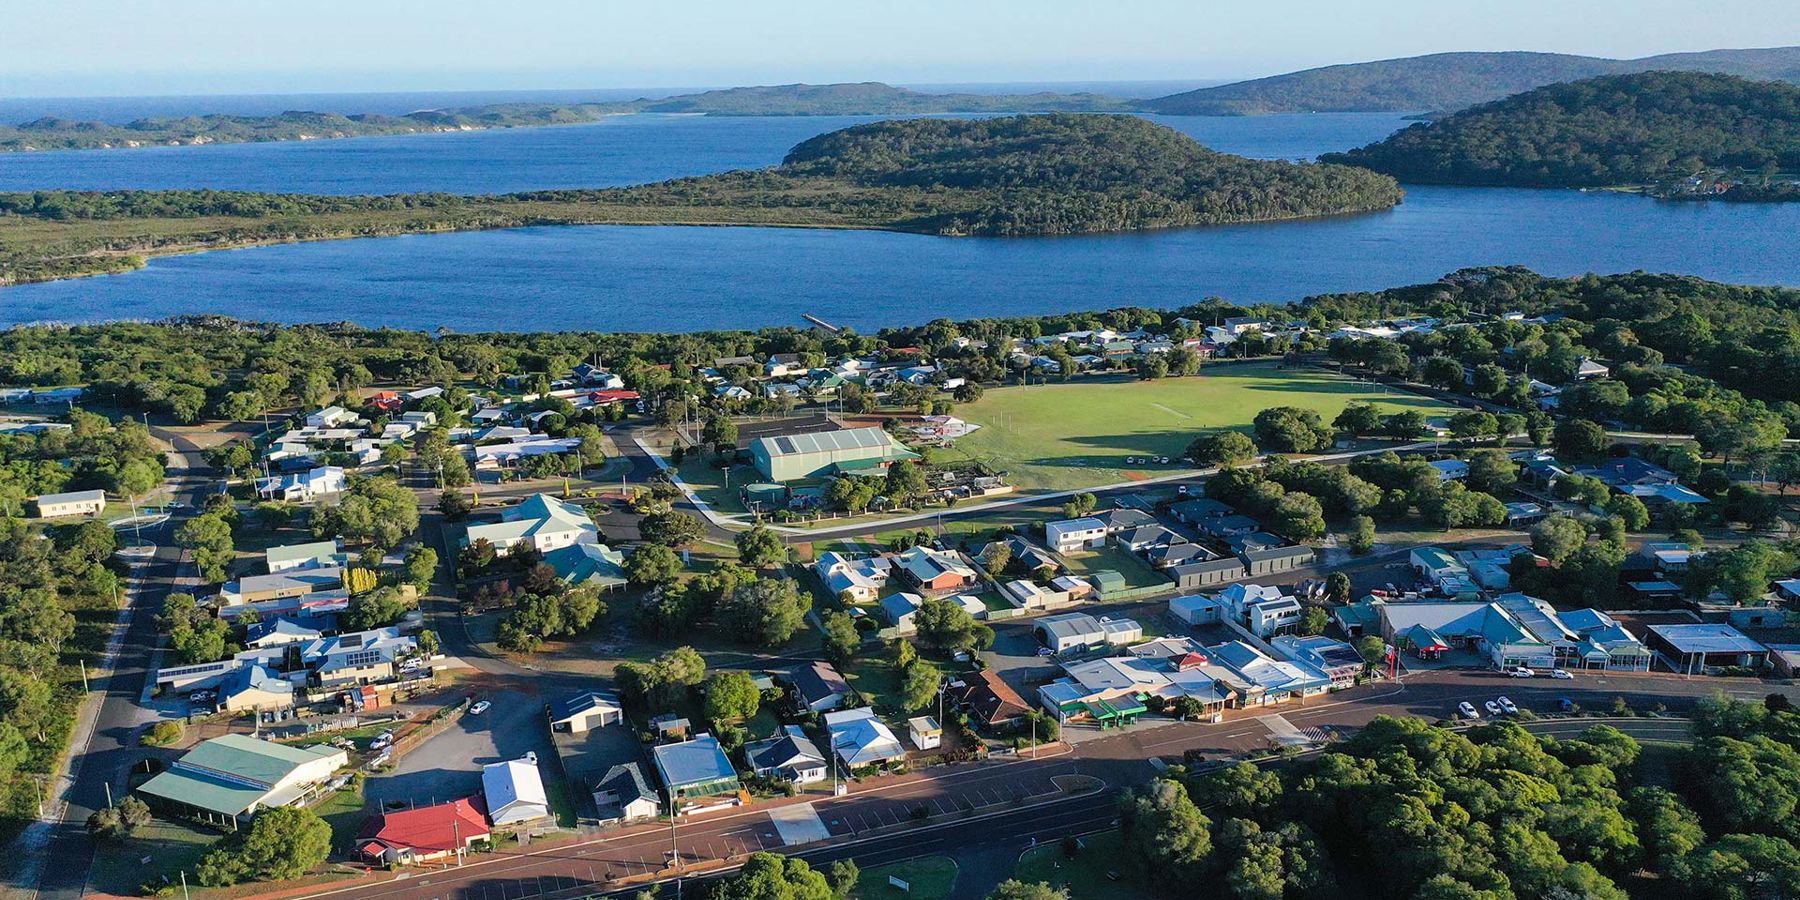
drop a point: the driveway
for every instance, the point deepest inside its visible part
(449, 766)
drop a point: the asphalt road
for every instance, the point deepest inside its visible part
(104, 763)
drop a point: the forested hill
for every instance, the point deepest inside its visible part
(1445, 82)
(1614, 130)
(866, 99)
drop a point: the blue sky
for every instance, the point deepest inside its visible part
(110, 47)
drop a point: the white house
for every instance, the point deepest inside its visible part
(515, 793)
(860, 739)
(74, 503)
(303, 486)
(863, 579)
(790, 755)
(1450, 469)
(1074, 534)
(542, 520)
(330, 417)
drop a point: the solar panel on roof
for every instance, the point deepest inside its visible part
(363, 658)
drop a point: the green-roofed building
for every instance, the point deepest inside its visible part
(316, 555)
(589, 564)
(224, 781)
(789, 457)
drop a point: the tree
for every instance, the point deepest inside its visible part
(1557, 537)
(1314, 621)
(765, 613)
(1221, 448)
(1491, 471)
(1358, 420)
(731, 697)
(209, 537)
(905, 481)
(1240, 789)
(1630, 510)
(1337, 587)
(1409, 425)
(421, 566)
(281, 843)
(1290, 429)
(1164, 830)
(1362, 535)
(1079, 505)
(1298, 517)
(1014, 889)
(945, 625)
(652, 564)
(1579, 439)
(670, 528)
(376, 509)
(842, 640)
(376, 609)
(761, 548)
(767, 876)
(919, 685)
(1373, 650)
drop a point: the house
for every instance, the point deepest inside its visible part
(900, 610)
(541, 520)
(277, 631)
(255, 687)
(987, 699)
(1200, 509)
(1207, 573)
(1255, 540)
(818, 686)
(695, 768)
(1626, 471)
(72, 503)
(860, 739)
(936, 571)
(853, 450)
(1450, 469)
(225, 780)
(1172, 555)
(361, 657)
(1339, 661)
(1222, 527)
(1657, 495)
(494, 457)
(1146, 538)
(1700, 646)
(1022, 555)
(1525, 514)
(423, 835)
(515, 794)
(316, 555)
(1587, 369)
(1273, 615)
(790, 756)
(330, 417)
(584, 563)
(1075, 534)
(292, 583)
(624, 795)
(302, 487)
(1124, 519)
(1442, 569)
(924, 732)
(857, 580)
(1275, 560)
(586, 711)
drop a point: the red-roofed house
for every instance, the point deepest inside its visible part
(386, 401)
(423, 835)
(609, 397)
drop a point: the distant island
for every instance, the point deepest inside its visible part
(1676, 133)
(865, 99)
(1045, 174)
(1446, 82)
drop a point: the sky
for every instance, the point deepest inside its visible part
(146, 47)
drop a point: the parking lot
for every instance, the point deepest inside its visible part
(449, 765)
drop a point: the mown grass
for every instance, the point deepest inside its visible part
(927, 878)
(1078, 434)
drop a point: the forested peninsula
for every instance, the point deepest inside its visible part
(1677, 133)
(1049, 174)
(862, 99)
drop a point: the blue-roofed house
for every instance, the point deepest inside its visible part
(255, 687)
(900, 610)
(584, 563)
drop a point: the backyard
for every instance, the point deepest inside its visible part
(1079, 434)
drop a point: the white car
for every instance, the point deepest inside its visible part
(1511, 708)
(1563, 674)
(1493, 709)
(1467, 710)
(1522, 672)
(479, 708)
(531, 757)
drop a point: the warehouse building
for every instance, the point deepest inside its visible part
(224, 781)
(862, 451)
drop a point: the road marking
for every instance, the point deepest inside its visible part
(1172, 412)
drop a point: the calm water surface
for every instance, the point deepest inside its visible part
(626, 278)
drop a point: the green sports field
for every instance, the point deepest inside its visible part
(1079, 434)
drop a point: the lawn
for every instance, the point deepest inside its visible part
(1079, 434)
(1084, 876)
(927, 878)
(1137, 573)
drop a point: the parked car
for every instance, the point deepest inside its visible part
(1493, 709)
(479, 708)
(1563, 674)
(1521, 672)
(200, 696)
(1506, 704)
(1467, 710)
(1565, 704)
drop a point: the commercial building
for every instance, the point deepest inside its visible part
(1700, 646)
(850, 451)
(1069, 632)
(289, 583)
(225, 780)
(1339, 661)
(924, 732)
(255, 688)
(695, 768)
(73, 503)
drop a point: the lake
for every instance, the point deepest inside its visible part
(673, 278)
